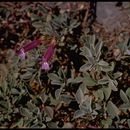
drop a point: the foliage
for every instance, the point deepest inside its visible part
(83, 85)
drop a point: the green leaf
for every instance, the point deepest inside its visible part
(42, 9)
(61, 73)
(125, 106)
(57, 93)
(117, 75)
(18, 124)
(107, 92)
(38, 24)
(103, 63)
(86, 105)
(100, 94)
(68, 125)
(14, 91)
(123, 97)
(49, 111)
(78, 80)
(3, 105)
(56, 82)
(27, 75)
(112, 109)
(113, 84)
(43, 126)
(52, 125)
(89, 81)
(66, 98)
(85, 67)
(78, 113)
(83, 87)
(128, 121)
(108, 68)
(35, 17)
(86, 52)
(43, 97)
(70, 80)
(79, 96)
(30, 106)
(54, 77)
(98, 48)
(25, 112)
(5, 86)
(74, 23)
(128, 92)
(75, 80)
(104, 80)
(91, 40)
(106, 123)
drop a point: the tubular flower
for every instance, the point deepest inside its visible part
(48, 55)
(22, 51)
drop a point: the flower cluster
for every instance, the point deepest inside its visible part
(46, 56)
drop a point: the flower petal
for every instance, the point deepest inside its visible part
(49, 53)
(45, 66)
(22, 54)
(31, 45)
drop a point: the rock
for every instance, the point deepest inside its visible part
(111, 16)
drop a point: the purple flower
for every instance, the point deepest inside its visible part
(22, 51)
(22, 54)
(48, 55)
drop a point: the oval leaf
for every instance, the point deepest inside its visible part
(100, 94)
(112, 110)
(104, 80)
(123, 97)
(107, 92)
(49, 111)
(103, 63)
(78, 80)
(128, 121)
(54, 77)
(25, 112)
(79, 96)
(128, 92)
(89, 81)
(66, 98)
(52, 125)
(85, 67)
(113, 84)
(78, 113)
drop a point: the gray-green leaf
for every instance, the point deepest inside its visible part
(79, 96)
(49, 111)
(78, 113)
(128, 92)
(112, 109)
(25, 112)
(107, 91)
(52, 125)
(89, 81)
(54, 77)
(85, 67)
(128, 121)
(123, 97)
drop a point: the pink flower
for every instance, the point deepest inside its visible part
(48, 55)
(22, 51)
